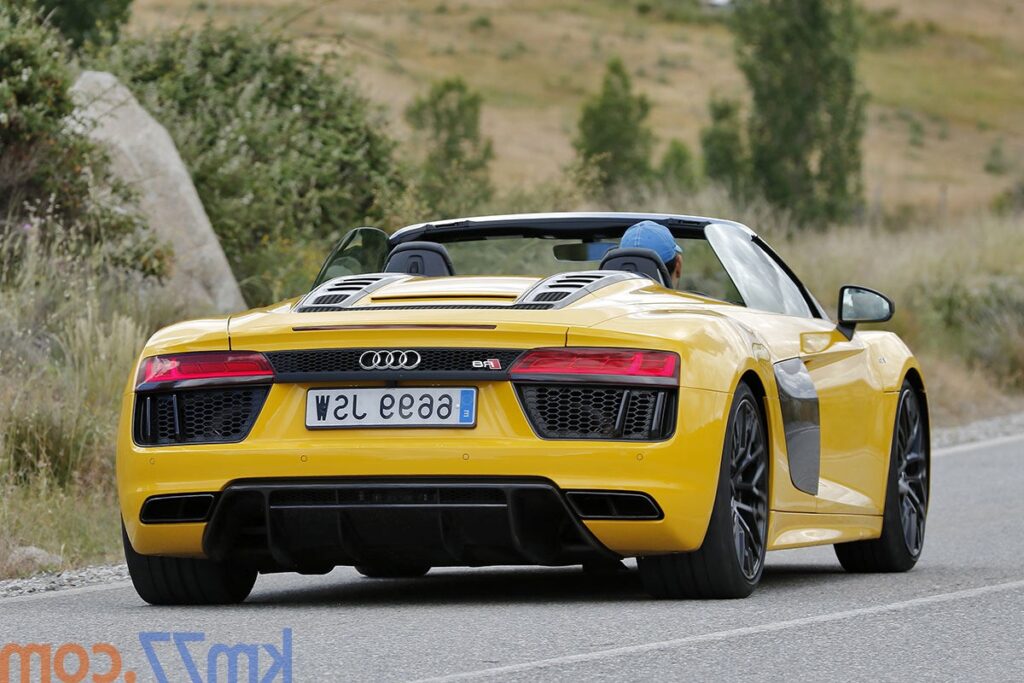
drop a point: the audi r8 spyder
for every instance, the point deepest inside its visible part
(522, 390)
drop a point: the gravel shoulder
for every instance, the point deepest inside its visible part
(991, 428)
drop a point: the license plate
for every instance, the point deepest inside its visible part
(365, 407)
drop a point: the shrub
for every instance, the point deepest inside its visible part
(725, 156)
(1010, 201)
(613, 134)
(676, 170)
(83, 21)
(455, 174)
(48, 165)
(282, 151)
(997, 162)
(799, 58)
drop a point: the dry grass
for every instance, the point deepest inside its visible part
(80, 524)
(70, 330)
(937, 106)
(959, 293)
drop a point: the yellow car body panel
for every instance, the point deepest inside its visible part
(719, 345)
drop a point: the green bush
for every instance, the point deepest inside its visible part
(725, 155)
(996, 161)
(48, 165)
(283, 151)
(454, 177)
(84, 21)
(983, 323)
(676, 170)
(614, 135)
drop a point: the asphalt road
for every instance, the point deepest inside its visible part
(959, 615)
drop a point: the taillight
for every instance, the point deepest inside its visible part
(203, 368)
(630, 366)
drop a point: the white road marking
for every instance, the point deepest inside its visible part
(978, 445)
(771, 627)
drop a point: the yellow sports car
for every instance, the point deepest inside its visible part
(527, 389)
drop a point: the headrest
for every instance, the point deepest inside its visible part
(427, 259)
(636, 260)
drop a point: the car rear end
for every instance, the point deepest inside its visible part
(301, 444)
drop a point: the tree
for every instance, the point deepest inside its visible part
(83, 21)
(455, 175)
(725, 159)
(799, 58)
(676, 170)
(286, 154)
(613, 134)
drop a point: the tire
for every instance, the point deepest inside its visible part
(906, 497)
(393, 570)
(730, 561)
(186, 581)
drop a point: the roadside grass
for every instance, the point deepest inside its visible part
(80, 524)
(70, 330)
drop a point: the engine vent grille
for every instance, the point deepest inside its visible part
(565, 411)
(197, 415)
(569, 287)
(341, 292)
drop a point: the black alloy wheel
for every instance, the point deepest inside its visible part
(899, 546)
(749, 478)
(730, 561)
(912, 472)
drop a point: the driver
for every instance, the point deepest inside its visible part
(656, 237)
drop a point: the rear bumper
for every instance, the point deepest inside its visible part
(313, 525)
(680, 474)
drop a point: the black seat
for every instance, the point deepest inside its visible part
(635, 260)
(428, 259)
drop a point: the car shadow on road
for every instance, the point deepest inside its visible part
(502, 586)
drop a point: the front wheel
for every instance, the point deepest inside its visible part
(906, 497)
(731, 559)
(186, 581)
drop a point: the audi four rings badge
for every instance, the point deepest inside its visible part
(389, 360)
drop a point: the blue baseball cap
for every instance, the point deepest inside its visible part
(651, 235)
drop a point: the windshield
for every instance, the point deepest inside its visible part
(721, 260)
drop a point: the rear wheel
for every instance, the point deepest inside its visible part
(393, 570)
(906, 497)
(186, 581)
(731, 559)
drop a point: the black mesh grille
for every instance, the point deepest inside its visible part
(197, 416)
(551, 296)
(330, 299)
(334, 361)
(562, 411)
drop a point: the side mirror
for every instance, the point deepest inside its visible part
(862, 305)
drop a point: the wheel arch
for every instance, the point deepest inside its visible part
(913, 376)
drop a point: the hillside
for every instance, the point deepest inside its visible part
(946, 78)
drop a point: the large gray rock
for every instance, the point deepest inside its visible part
(143, 155)
(30, 560)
